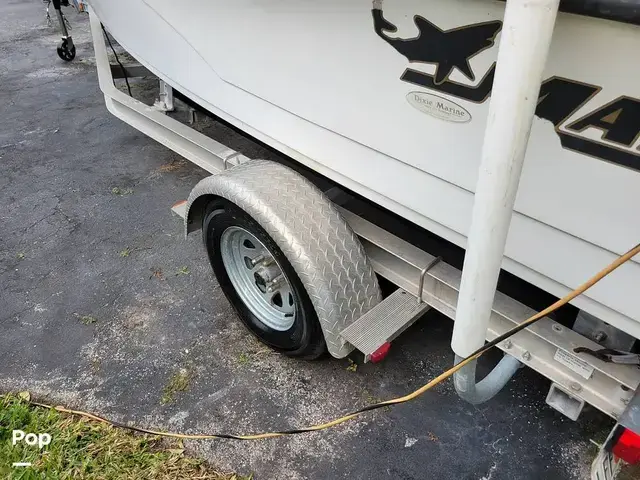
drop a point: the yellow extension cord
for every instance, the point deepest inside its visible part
(395, 401)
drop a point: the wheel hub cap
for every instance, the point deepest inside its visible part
(257, 278)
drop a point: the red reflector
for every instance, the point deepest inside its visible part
(628, 447)
(380, 353)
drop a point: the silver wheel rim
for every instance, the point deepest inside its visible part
(257, 278)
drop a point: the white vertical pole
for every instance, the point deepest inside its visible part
(524, 45)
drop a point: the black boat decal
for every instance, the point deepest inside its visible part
(559, 98)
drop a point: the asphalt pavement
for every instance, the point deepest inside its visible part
(103, 302)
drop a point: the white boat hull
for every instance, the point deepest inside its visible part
(319, 82)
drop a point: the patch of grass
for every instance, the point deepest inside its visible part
(122, 191)
(353, 366)
(95, 365)
(244, 358)
(183, 271)
(179, 382)
(86, 319)
(371, 399)
(128, 251)
(87, 450)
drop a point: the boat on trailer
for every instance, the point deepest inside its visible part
(509, 129)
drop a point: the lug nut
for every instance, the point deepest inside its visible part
(275, 283)
(255, 261)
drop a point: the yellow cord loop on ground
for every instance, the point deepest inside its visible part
(394, 401)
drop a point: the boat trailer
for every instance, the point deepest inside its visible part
(424, 281)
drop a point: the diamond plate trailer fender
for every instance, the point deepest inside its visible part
(324, 251)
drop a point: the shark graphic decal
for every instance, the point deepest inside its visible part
(447, 49)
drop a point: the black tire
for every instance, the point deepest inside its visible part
(305, 338)
(65, 52)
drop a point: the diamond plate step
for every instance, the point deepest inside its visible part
(384, 322)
